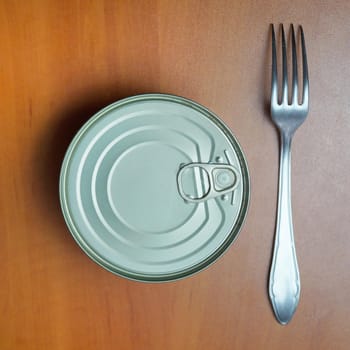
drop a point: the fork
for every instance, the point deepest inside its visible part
(284, 284)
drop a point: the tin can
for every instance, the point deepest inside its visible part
(154, 187)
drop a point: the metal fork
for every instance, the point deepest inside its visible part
(284, 285)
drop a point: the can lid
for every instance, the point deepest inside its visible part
(154, 187)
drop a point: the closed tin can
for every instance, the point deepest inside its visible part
(154, 187)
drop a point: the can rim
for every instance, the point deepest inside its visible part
(231, 237)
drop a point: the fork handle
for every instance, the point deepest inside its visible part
(284, 285)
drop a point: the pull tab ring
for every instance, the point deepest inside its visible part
(198, 182)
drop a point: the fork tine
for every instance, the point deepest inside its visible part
(274, 89)
(295, 69)
(305, 70)
(284, 69)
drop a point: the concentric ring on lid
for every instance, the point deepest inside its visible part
(119, 191)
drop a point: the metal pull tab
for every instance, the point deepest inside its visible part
(198, 182)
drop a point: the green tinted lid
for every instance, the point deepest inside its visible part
(154, 187)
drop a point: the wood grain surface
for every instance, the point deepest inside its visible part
(60, 62)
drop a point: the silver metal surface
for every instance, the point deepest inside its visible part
(215, 179)
(119, 191)
(284, 285)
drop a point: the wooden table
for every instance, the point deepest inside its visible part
(60, 62)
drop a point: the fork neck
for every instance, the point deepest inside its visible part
(285, 155)
(286, 138)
